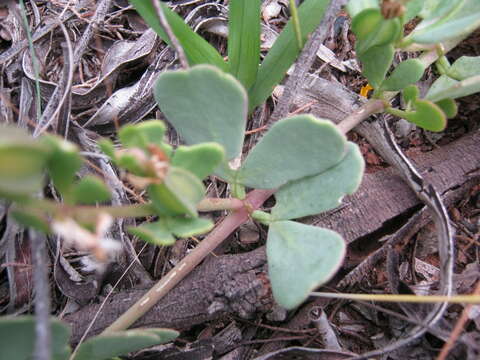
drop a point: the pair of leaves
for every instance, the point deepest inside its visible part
(17, 337)
(424, 113)
(164, 231)
(302, 257)
(461, 79)
(293, 148)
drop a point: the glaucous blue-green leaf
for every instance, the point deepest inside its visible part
(372, 29)
(178, 194)
(22, 162)
(300, 258)
(204, 105)
(63, 162)
(201, 159)
(449, 107)
(433, 9)
(414, 7)
(197, 49)
(244, 40)
(156, 233)
(293, 148)
(183, 227)
(315, 194)
(406, 73)
(448, 88)
(427, 115)
(106, 346)
(17, 338)
(142, 134)
(462, 19)
(284, 51)
(354, 7)
(375, 63)
(465, 67)
(410, 94)
(90, 190)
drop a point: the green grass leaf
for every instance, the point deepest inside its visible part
(244, 40)
(197, 49)
(284, 51)
(300, 258)
(293, 148)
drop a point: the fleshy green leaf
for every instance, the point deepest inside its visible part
(410, 94)
(406, 73)
(204, 105)
(372, 29)
(427, 115)
(22, 161)
(201, 159)
(449, 107)
(197, 49)
(284, 51)
(300, 258)
(179, 193)
(244, 40)
(142, 134)
(462, 18)
(187, 227)
(156, 233)
(375, 63)
(465, 67)
(90, 190)
(106, 346)
(315, 194)
(17, 338)
(293, 148)
(440, 89)
(414, 7)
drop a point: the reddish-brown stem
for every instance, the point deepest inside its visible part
(253, 201)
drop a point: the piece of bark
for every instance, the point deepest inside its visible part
(225, 284)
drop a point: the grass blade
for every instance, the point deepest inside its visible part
(244, 40)
(285, 51)
(197, 49)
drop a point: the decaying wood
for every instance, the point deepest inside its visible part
(235, 283)
(225, 284)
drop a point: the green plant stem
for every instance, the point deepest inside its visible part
(85, 213)
(397, 112)
(253, 201)
(296, 23)
(371, 107)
